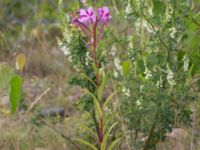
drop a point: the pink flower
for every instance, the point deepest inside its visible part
(87, 16)
(104, 15)
(92, 23)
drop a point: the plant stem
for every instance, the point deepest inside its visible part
(151, 132)
(123, 126)
(95, 53)
(95, 122)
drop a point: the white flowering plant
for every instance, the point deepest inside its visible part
(156, 69)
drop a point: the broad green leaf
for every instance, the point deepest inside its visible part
(5, 75)
(158, 7)
(126, 67)
(113, 144)
(15, 92)
(102, 86)
(86, 143)
(193, 41)
(20, 62)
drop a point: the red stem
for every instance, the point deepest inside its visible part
(100, 32)
(101, 130)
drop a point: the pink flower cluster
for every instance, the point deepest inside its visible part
(92, 22)
(89, 16)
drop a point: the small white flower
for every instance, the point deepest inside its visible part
(159, 83)
(147, 73)
(113, 50)
(186, 62)
(139, 102)
(126, 91)
(115, 74)
(169, 12)
(128, 9)
(118, 64)
(87, 60)
(170, 76)
(130, 43)
(172, 32)
(67, 36)
(63, 47)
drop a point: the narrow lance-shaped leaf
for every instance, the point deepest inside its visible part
(89, 130)
(102, 86)
(86, 143)
(96, 103)
(113, 144)
(88, 78)
(105, 140)
(109, 99)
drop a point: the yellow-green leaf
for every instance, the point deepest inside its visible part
(20, 62)
(126, 67)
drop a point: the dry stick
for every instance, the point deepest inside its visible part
(22, 117)
(37, 100)
(121, 118)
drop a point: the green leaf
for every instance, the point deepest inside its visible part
(113, 144)
(193, 41)
(108, 99)
(159, 7)
(104, 143)
(88, 78)
(15, 92)
(102, 86)
(126, 67)
(96, 103)
(86, 143)
(89, 130)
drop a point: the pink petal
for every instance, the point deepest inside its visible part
(90, 11)
(82, 12)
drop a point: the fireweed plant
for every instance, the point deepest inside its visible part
(87, 26)
(92, 23)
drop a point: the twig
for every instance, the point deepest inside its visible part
(37, 100)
